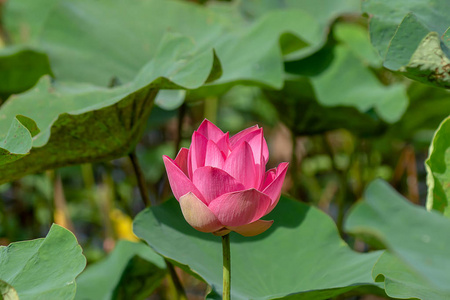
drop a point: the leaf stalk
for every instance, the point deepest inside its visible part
(226, 267)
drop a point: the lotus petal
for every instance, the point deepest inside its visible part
(255, 137)
(197, 153)
(240, 164)
(238, 136)
(213, 182)
(224, 144)
(252, 229)
(182, 159)
(179, 182)
(240, 208)
(198, 215)
(273, 190)
(222, 232)
(268, 178)
(210, 131)
(214, 157)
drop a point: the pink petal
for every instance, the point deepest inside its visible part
(265, 151)
(240, 208)
(240, 164)
(198, 215)
(214, 157)
(197, 153)
(237, 137)
(213, 182)
(252, 229)
(273, 190)
(179, 182)
(182, 159)
(222, 232)
(257, 142)
(268, 178)
(210, 131)
(223, 144)
(247, 135)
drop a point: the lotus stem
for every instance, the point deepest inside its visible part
(140, 178)
(181, 294)
(226, 267)
(211, 107)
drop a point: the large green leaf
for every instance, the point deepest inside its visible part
(42, 268)
(409, 35)
(131, 271)
(83, 123)
(341, 79)
(300, 255)
(417, 238)
(17, 142)
(348, 82)
(96, 41)
(386, 16)
(402, 282)
(84, 45)
(7, 292)
(421, 119)
(320, 13)
(438, 170)
(304, 115)
(356, 38)
(20, 69)
(170, 99)
(430, 63)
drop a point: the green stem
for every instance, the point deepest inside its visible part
(342, 177)
(181, 113)
(106, 204)
(144, 194)
(176, 281)
(211, 107)
(140, 178)
(87, 174)
(226, 267)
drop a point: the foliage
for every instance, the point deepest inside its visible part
(94, 93)
(412, 37)
(21, 69)
(42, 268)
(117, 276)
(165, 230)
(437, 167)
(414, 263)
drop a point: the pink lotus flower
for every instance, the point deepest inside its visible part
(221, 182)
